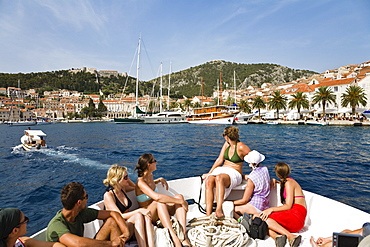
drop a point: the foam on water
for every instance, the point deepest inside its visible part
(59, 152)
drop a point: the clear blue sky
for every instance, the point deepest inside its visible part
(49, 35)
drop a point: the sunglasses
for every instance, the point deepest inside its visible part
(154, 161)
(85, 197)
(26, 220)
(125, 177)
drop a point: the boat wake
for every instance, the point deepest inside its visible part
(63, 153)
(18, 149)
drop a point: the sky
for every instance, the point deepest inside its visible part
(51, 35)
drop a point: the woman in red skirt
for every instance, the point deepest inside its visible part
(289, 217)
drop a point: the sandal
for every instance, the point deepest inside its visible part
(295, 241)
(280, 241)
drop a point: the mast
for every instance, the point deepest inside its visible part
(220, 92)
(169, 86)
(160, 91)
(234, 88)
(202, 89)
(137, 73)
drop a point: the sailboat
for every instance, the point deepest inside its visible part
(165, 117)
(135, 118)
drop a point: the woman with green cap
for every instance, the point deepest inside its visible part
(13, 225)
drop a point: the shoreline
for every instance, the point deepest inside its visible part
(302, 122)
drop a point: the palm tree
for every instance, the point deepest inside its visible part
(323, 95)
(354, 96)
(229, 101)
(299, 101)
(173, 105)
(258, 103)
(197, 105)
(277, 102)
(244, 106)
(187, 104)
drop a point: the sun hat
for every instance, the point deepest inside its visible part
(254, 157)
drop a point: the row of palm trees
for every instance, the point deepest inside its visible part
(354, 97)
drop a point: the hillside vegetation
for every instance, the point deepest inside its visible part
(183, 83)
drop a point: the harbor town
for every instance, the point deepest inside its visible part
(69, 106)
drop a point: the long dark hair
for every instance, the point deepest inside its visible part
(142, 163)
(282, 170)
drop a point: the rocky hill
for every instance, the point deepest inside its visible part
(188, 82)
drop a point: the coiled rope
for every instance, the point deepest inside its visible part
(219, 233)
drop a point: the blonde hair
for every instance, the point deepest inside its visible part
(114, 175)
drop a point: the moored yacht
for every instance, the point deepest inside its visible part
(219, 114)
(166, 117)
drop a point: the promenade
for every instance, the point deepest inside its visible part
(302, 122)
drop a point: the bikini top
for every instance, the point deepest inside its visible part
(119, 204)
(284, 193)
(235, 158)
(144, 197)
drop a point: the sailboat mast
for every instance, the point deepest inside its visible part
(202, 90)
(234, 88)
(160, 91)
(220, 92)
(137, 73)
(169, 86)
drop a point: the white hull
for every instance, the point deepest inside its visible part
(21, 123)
(243, 118)
(166, 118)
(325, 215)
(32, 147)
(317, 123)
(227, 120)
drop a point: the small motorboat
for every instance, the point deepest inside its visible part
(33, 140)
(322, 123)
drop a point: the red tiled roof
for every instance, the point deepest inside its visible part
(335, 82)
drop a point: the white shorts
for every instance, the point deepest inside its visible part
(235, 177)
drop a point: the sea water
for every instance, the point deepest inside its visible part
(329, 160)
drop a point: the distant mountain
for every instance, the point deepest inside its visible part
(188, 82)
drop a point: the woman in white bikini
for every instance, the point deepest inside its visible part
(160, 205)
(225, 177)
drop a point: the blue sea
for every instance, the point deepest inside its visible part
(332, 161)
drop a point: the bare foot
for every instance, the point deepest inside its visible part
(313, 243)
(219, 214)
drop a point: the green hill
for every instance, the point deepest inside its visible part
(183, 83)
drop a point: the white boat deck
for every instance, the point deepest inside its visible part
(325, 215)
